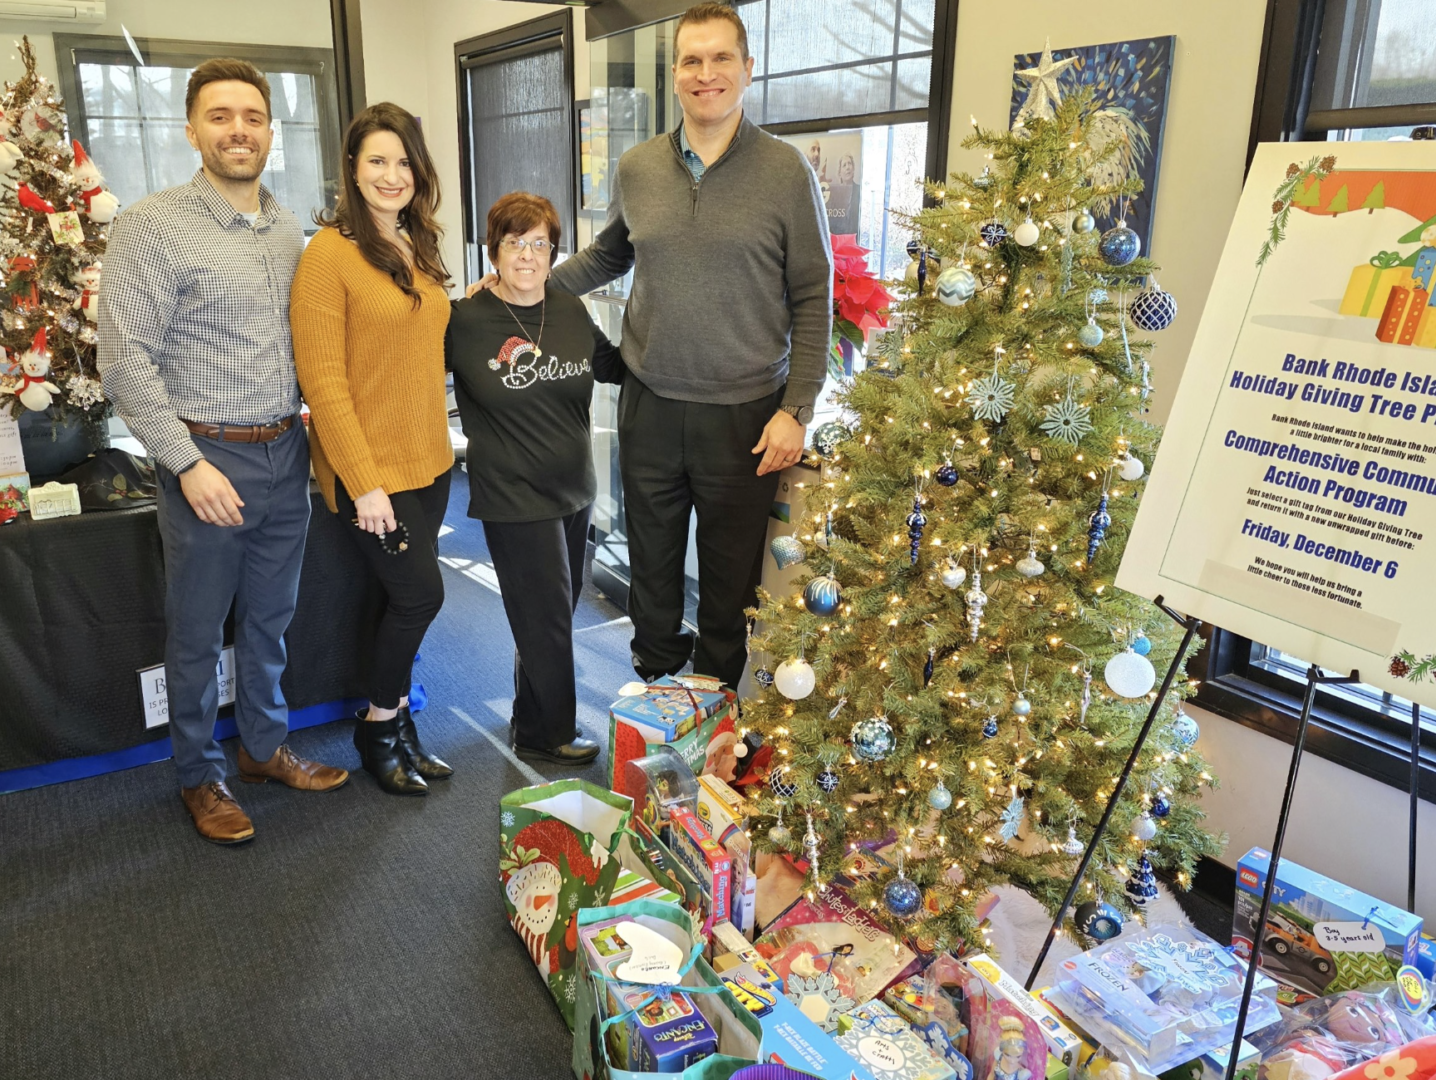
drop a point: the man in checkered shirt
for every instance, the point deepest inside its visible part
(195, 352)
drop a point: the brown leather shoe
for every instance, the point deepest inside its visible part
(289, 768)
(217, 816)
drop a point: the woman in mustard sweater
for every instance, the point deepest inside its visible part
(369, 310)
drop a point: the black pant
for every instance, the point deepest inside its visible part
(539, 565)
(411, 580)
(677, 457)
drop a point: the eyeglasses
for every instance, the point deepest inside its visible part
(513, 245)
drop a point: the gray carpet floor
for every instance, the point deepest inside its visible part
(359, 934)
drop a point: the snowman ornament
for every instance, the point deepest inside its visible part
(88, 280)
(34, 390)
(100, 204)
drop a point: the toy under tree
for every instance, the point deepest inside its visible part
(54, 209)
(977, 681)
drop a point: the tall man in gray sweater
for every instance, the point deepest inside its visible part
(725, 337)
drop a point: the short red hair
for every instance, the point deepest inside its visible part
(515, 214)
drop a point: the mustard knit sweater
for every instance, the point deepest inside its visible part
(371, 367)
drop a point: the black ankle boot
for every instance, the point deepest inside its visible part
(425, 764)
(383, 758)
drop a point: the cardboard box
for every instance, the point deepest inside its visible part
(731, 949)
(1061, 1042)
(790, 1038)
(1322, 937)
(694, 714)
(725, 815)
(705, 859)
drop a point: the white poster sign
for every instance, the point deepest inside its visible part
(12, 458)
(1293, 500)
(154, 692)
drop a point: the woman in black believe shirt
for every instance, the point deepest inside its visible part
(525, 359)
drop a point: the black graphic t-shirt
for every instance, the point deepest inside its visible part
(526, 412)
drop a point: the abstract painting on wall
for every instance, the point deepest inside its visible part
(1129, 81)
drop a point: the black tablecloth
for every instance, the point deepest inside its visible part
(82, 610)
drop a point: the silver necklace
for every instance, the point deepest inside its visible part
(543, 315)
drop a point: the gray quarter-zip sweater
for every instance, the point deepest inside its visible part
(733, 275)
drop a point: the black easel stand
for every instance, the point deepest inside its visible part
(1415, 802)
(1191, 625)
(1314, 679)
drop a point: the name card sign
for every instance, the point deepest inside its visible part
(1349, 937)
(154, 689)
(1293, 500)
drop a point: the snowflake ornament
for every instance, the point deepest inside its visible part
(1192, 965)
(84, 392)
(991, 398)
(1067, 421)
(819, 996)
(1012, 818)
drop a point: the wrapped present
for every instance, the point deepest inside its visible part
(1369, 285)
(631, 886)
(1426, 329)
(557, 848)
(1425, 264)
(693, 714)
(1403, 307)
(1164, 995)
(1321, 936)
(882, 1042)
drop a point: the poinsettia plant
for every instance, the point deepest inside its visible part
(860, 302)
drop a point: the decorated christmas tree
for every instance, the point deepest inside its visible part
(958, 673)
(54, 209)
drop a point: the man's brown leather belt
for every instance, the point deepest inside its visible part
(233, 433)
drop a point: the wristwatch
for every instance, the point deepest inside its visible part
(801, 413)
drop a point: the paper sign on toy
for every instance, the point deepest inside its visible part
(1293, 500)
(1349, 937)
(655, 960)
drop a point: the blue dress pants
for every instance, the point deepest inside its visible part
(255, 568)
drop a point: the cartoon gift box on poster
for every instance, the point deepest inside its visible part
(558, 845)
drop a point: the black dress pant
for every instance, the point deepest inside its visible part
(678, 457)
(539, 565)
(411, 580)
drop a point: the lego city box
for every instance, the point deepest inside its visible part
(1322, 937)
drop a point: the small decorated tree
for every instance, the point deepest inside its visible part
(979, 680)
(54, 209)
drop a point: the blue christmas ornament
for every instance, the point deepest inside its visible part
(827, 437)
(1119, 245)
(763, 677)
(902, 897)
(1153, 308)
(782, 785)
(946, 474)
(787, 550)
(939, 798)
(1090, 336)
(1185, 729)
(993, 233)
(1099, 921)
(823, 595)
(915, 523)
(1142, 885)
(1097, 526)
(955, 286)
(1141, 644)
(872, 738)
(828, 781)
(989, 729)
(927, 667)
(1161, 806)
(913, 247)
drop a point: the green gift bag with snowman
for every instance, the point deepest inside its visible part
(558, 847)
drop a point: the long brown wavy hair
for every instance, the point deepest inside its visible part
(352, 218)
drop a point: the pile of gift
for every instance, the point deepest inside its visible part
(673, 949)
(1397, 293)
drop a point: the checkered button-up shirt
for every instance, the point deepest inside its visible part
(194, 316)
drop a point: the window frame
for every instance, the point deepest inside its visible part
(72, 50)
(533, 34)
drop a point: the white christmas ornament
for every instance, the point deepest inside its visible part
(87, 278)
(795, 679)
(34, 390)
(1130, 467)
(1129, 674)
(953, 575)
(1027, 233)
(1145, 827)
(99, 203)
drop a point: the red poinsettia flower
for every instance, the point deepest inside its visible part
(858, 296)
